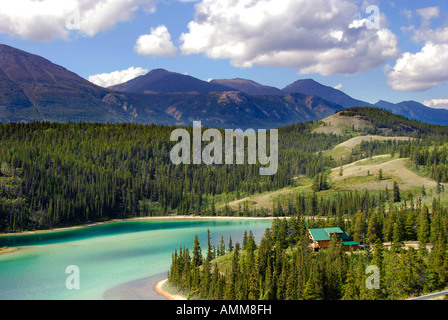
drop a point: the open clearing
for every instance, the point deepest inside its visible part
(339, 125)
(344, 149)
(263, 201)
(266, 200)
(362, 175)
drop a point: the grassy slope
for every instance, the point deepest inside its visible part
(355, 176)
(364, 175)
(344, 149)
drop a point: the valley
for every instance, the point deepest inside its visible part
(73, 153)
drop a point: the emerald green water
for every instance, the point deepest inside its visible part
(106, 255)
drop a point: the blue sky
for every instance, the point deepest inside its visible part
(272, 42)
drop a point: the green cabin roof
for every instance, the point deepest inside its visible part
(334, 230)
(351, 243)
(323, 234)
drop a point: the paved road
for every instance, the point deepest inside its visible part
(431, 296)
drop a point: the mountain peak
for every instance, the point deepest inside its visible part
(163, 81)
(312, 87)
(249, 87)
(35, 89)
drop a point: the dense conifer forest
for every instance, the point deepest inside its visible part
(284, 267)
(65, 174)
(404, 237)
(62, 174)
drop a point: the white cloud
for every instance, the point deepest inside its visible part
(424, 33)
(46, 20)
(158, 43)
(437, 103)
(407, 13)
(420, 71)
(110, 79)
(428, 14)
(338, 87)
(321, 36)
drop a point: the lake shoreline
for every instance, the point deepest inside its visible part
(153, 287)
(140, 289)
(159, 288)
(168, 218)
(149, 288)
(8, 250)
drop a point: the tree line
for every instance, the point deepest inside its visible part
(63, 174)
(284, 267)
(54, 174)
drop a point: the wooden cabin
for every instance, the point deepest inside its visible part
(320, 238)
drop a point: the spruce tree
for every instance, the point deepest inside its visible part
(197, 253)
(396, 192)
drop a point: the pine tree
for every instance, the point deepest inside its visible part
(197, 254)
(209, 256)
(230, 245)
(244, 243)
(351, 291)
(373, 229)
(359, 227)
(222, 247)
(396, 192)
(234, 274)
(410, 226)
(423, 226)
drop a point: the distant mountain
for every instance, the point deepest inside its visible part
(163, 81)
(249, 87)
(34, 89)
(416, 111)
(311, 87)
(409, 109)
(234, 109)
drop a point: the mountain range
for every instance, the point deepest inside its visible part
(35, 89)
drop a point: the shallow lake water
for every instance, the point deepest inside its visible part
(106, 256)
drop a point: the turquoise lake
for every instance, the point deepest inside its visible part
(107, 255)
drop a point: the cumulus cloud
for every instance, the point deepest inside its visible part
(437, 103)
(424, 33)
(47, 20)
(117, 77)
(157, 43)
(321, 36)
(420, 71)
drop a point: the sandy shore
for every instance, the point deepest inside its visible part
(159, 288)
(142, 289)
(7, 250)
(151, 288)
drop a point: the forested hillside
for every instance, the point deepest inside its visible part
(284, 267)
(56, 175)
(65, 174)
(404, 232)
